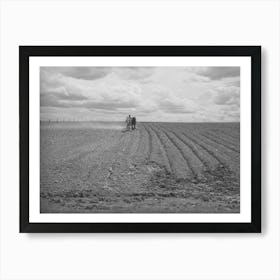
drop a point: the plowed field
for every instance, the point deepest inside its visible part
(157, 168)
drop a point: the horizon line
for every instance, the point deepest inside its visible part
(80, 121)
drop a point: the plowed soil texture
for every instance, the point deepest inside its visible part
(157, 168)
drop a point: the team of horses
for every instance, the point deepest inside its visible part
(130, 123)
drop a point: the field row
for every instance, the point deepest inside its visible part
(187, 152)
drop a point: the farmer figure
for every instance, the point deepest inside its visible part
(133, 122)
(128, 122)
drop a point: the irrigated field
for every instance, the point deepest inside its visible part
(160, 167)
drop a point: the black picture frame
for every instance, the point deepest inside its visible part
(25, 52)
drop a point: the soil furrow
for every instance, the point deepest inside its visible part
(220, 143)
(150, 149)
(181, 152)
(204, 148)
(141, 136)
(221, 148)
(171, 162)
(227, 158)
(160, 151)
(192, 147)
(222, 138)
(144, 146)
(187, 171)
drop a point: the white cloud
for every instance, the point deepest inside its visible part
(152, 93)
(85, 73)
(215, 73)
(227, 95)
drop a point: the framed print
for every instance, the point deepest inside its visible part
(140, 138)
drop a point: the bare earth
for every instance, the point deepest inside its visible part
(160, 167)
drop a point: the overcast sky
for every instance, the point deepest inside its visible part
(186, 94)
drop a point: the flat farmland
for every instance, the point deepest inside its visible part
(157, 168)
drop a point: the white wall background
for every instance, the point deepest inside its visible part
(124, 256)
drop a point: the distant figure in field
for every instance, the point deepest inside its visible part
(133, 123)
(128, 122)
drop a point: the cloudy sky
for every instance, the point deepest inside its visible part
(186, 94)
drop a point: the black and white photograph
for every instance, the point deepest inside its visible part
(140, 139)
